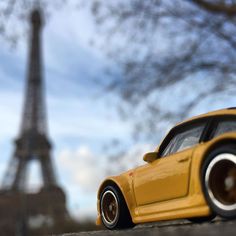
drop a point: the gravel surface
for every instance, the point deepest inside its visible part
(217, 227)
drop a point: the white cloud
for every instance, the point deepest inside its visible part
(82, 168)
(87, 169)
(88, 213)
(82, 171)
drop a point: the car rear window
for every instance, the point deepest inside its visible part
(225, 126)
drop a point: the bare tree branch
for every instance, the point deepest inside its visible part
(161, 44)
(217, 7)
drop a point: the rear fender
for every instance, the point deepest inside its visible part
(224, 139)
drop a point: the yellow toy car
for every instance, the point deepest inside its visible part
(192, 175)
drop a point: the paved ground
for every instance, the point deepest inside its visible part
(218, 227)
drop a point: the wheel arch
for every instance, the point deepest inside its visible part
(208, 156)
(108, 182)
(217, 144)
(122, 185)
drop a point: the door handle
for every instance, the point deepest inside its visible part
(183, 159)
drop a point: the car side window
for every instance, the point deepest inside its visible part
(224, 127)
(183, 140)
(169, 147)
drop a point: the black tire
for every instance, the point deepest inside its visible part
(114, 211)
(218, 178)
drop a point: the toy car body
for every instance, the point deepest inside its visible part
(192, 174)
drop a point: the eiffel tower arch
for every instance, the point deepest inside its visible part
(32, 144)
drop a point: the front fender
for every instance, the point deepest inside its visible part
(124, 183)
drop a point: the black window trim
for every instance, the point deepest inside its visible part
(210, 124)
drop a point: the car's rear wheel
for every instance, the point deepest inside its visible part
(219, 181)
(114, 211)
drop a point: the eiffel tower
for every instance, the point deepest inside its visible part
(33, 144)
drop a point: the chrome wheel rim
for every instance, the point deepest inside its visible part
(109, 207)
(220, 181)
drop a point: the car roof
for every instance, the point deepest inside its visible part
(221, 112)
(226, 111)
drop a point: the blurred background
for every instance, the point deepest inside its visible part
(118, 75)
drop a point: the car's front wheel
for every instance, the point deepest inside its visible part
(114, 211)
(219, 181)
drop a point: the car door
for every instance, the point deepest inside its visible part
(168, 176)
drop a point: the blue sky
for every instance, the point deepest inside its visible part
(81, 117)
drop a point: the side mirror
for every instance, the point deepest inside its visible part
(150, 157)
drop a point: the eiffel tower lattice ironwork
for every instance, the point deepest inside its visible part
(33, 142)
(18, 206)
